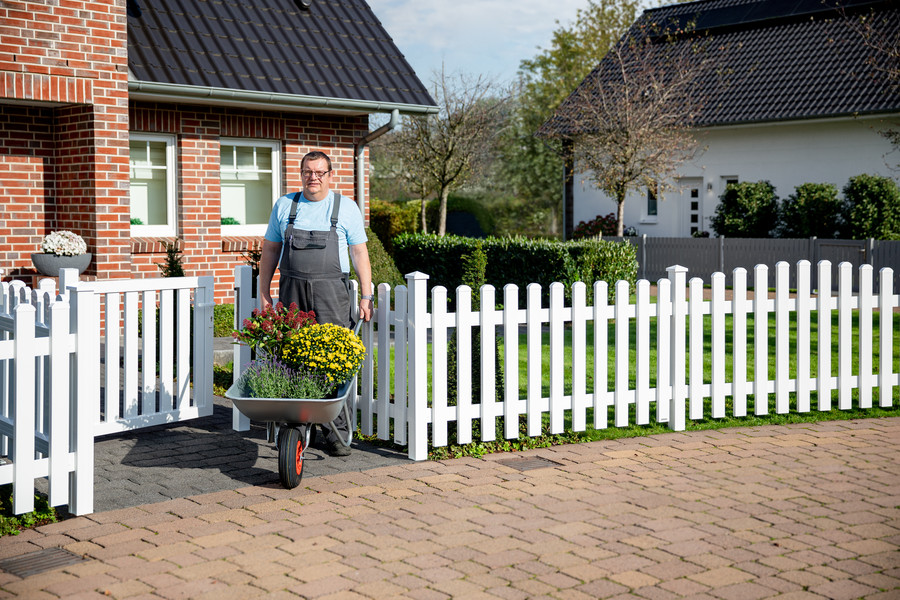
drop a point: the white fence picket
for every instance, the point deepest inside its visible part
(886, 305)
(804, 336)
(824, 305)
(718, 348)
(511, 402)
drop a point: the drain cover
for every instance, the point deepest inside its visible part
(39, 562)
(527, 464)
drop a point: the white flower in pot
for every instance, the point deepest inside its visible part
(61, 250)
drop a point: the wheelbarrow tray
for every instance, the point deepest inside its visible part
(289, 410)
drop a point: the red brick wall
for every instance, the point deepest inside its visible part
(64, 156)
(198, 130)
(71, 149)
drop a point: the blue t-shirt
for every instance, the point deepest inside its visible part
(316, 216)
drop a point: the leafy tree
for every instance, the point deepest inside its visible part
(746, 209)
(814, 209)
(443, 151)
(530, 167)
(633, 116)
(872, 208)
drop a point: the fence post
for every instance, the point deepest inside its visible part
(678, 280)
(84, 413)
(418, 364)
(23, 409)
(243, 307)
(68, 278)
(204, 303)
(722, 254)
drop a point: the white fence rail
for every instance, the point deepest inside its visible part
(103, 357)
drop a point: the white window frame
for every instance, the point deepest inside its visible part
(169, 229)
(255, 230)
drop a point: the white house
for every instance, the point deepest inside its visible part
(798, 95)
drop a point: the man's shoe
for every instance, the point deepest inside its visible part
(335, 448)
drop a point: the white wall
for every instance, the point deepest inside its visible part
(786, 154)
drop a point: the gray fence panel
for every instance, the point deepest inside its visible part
(886, 254)
(699, 255)
(749, 252)
(705, 256)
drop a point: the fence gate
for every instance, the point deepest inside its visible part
(155, 350)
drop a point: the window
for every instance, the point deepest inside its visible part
(151, 160)
(651, 201)
(250, 185)
(725, 181)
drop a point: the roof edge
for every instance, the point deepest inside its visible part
(149, 90)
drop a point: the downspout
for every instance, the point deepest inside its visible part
(360, 163)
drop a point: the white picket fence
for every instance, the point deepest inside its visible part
(73, 366)
(415, 399)
(45, 428)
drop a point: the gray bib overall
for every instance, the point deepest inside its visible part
(311, 272)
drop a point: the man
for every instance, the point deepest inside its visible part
(308, 238)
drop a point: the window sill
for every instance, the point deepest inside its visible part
(240, 243)
(153, 245)
(648, 221)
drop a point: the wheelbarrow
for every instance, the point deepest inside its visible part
(290, 422)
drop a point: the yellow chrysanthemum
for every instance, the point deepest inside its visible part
(330, 349)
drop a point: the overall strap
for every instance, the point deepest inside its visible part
(293, 215)
(335, 210)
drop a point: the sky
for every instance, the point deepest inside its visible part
(474, 37)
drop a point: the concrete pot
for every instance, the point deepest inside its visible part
(50, 264)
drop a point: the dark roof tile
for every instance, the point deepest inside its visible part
(337, 49)
(780, 59)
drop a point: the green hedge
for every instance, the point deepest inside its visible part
(520, 261)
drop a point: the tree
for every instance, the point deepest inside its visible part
(632, 117)
(530, 167)
(441, 152)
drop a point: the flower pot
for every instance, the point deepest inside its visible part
(50, 264)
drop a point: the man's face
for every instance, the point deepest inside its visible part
(316, 179)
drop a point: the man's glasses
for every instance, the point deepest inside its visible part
(307, 174)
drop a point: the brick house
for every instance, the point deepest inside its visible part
(135, 123)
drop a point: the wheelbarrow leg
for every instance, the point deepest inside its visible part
(292, 441)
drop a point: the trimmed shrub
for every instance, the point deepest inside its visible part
(814, 209)
(871, 208)
(746, 209)
(520, 261)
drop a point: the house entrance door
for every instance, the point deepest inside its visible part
(690, 204)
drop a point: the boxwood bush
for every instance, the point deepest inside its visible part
(746, 210)
(871, 208)
(520, 261)
(814, 209)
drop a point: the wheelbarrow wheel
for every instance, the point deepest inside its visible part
(290, 456)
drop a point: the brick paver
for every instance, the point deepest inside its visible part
(796, 511)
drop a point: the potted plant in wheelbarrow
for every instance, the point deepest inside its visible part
(302, 375)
